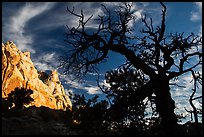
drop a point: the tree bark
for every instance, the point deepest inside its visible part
(165, 105)
(160, 84)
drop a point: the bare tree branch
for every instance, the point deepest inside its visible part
(155, 54)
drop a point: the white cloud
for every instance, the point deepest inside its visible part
(198, 16)
(195, 16)
(93, 90)
(45, 62)
(99, 10)
(48, 57)
(74, 84)
(89, 9)
(89, 86)
(200, 33)
(199, 4)
(137, 12)
(16, 25)
(42, 66)
(135, 9)
(112, 3)
(25, 14)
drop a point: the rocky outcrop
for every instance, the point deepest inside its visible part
(18, 71)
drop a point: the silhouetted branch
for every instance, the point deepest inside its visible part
(154, 54)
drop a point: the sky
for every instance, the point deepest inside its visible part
(40, 27)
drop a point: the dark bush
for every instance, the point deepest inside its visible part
(20, 97)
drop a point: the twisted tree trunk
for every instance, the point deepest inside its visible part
(160, 84)
(165, 105)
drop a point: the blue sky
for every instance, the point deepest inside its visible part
(39, 27)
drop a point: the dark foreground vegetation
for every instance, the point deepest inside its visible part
(87, 117)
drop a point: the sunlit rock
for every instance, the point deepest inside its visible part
(19, 71)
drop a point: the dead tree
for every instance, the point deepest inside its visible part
(194, 112)
(155, 54)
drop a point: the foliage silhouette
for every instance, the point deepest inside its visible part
(92, 117)
(124, 90)
(154, 53)
(6, 105)
(88, 115)
(20, 97)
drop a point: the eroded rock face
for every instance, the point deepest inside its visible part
(18, 71)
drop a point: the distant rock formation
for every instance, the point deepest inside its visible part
(18, 71)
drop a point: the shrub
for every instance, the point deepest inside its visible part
(20, 97)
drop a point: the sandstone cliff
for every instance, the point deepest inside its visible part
(19, 71)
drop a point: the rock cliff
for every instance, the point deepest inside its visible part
(18, 71)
